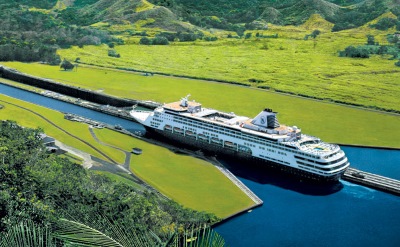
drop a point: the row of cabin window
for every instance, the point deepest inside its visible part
(242, 136)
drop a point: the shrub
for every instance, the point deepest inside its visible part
(356, 52)
(145, 41)
(208, 38)
(113, 53)
(397, 63)
(384, 24)
(66, 65)
(160, 40)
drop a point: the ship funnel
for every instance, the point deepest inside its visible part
(266, 119)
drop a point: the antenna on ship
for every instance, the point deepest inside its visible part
(184, 101)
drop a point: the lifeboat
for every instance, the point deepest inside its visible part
(203, 137)
(216, 140)
(168, 127)
(178, 130)
(190, 133)
(230, 144)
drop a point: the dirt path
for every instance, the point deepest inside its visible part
(127, 154)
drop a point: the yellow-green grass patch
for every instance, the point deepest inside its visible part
(71, 157)
(189, 181)
(287, 63)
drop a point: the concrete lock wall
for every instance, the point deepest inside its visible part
(72, 91)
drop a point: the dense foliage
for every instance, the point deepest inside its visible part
(27, 35)
(42, 188)
(34, 35)
(230, 14)
(373, 48)
(351, 18)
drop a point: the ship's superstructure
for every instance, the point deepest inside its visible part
(262, 138)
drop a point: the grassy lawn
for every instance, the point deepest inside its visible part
(72, 158)
(120, 177)
(189, 181)
(288, 63)
(28, 119)
(330, 122)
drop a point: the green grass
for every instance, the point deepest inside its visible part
(289, 63)
(28, 119)
(332, 123)
(120, 177)
(189, 181)
(72, 158)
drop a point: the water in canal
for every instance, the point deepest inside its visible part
(294, 213)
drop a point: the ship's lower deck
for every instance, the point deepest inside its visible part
(218, 148)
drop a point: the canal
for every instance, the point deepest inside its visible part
(294, 213)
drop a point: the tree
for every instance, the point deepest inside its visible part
(145, 41)
(248, 36)
(385, 23)
(113, 53)
(160, 40)
(66, 65)
(315, 33)
(240, 32)
(357, 52)
(370, 40)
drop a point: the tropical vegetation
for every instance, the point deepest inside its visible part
(40, 190)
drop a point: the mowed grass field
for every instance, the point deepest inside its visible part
(28, 119)
(189, 181)
(287, 63)
(332, 123)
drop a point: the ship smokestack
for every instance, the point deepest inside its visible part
(267, 119)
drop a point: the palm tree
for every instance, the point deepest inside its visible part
(72, 233)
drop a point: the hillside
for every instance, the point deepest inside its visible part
(34, 30)
(344, 13)
(121, 11)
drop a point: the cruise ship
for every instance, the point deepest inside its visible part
(262, 139)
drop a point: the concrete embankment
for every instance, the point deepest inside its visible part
(76, 92)
(373, 181)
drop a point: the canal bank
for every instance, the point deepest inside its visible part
(223, 183)
(123, 112)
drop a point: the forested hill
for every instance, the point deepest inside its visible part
(32, 30)
(344, 13)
